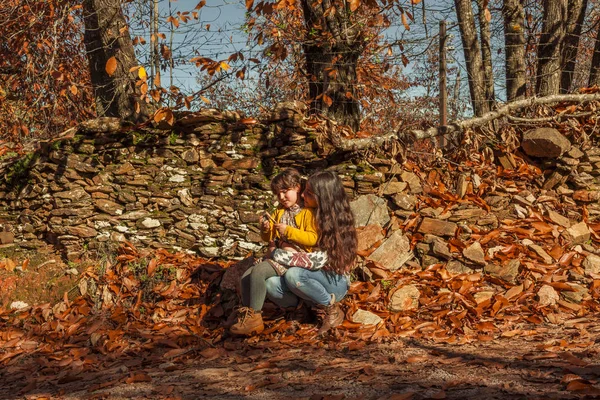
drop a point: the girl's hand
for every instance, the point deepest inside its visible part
(264, 224)
(281, 229)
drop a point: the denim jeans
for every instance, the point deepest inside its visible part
(313, 286)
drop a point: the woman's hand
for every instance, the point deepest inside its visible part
(281, 229)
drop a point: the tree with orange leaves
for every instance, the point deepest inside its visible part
(44, 77)
(337, 50)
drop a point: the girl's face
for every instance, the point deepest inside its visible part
(310, 200)
(288, 197)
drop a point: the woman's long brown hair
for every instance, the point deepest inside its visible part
(335, 222)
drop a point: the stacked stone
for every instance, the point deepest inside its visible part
(200, 186)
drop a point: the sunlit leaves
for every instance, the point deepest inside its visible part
(404, 22)
(354, 4)
(142, 73)
(111, 66)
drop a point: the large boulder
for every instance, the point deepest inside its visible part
(370, 210)
(544, 142)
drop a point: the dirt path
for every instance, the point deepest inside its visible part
(552, 364)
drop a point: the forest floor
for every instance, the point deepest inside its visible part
(507, 308)
(551, 363)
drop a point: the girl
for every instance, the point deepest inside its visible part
(337, 236)
(289, 231)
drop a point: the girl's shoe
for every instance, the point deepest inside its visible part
(249, 322)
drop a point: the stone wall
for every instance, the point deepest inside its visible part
(198, 186)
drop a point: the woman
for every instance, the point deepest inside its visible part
(337, 236)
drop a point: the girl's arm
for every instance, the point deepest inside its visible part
(312, 261)
(306, 234)
(268, 234)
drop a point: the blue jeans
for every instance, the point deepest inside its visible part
(313, 286)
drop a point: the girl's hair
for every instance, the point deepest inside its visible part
(335, 222)
(286, 179)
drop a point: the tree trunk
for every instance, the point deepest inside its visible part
(106, 35)
(575, 16)
(594, 79)
(331, 60)
(514, 43)
(486, 55)
(550, 47)
(473, 60)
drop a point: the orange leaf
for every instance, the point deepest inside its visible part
(73, 90)
(404, 22)
(25, 264)
(141, 377)
(487, 15)
(249, 4)
(9, 265)
(354, 4)
(152, 266)
(111, 66)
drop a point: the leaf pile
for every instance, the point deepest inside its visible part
(159, 310)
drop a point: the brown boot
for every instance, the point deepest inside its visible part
(330, 316)
(233, 317)
(249, 322)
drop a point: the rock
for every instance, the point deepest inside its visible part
(483, 295)
(368, 236)
(209, 251)
(455, 268)
(578, 294)
(370, 209)
(405, 201)
(148, 223)
(81, 231)
(437, 227)
(393, 252)
(190, 156)
(365, 317)
(559, 219)
(575, 152)
(18, 305)
(243, 163)
(177, 178)
(556, 178)
(577, 234)
(461, 185)
(592, 266)
(75, 194)
(440, 249)
(392, 188)
(508, 272)
(109, 207)
(545, 142)
(7, 237)
(542, 253)
(466, 214)
(413, 181)
(586, 196)
(404, 299)
(547, 296)
(475, 253)
(185, 197)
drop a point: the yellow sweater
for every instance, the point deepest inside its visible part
(305, 235)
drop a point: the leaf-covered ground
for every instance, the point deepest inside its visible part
(150, 325)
